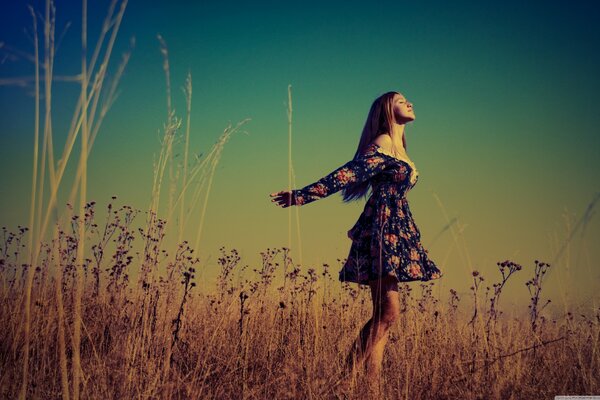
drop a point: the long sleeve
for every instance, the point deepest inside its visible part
(355, 171)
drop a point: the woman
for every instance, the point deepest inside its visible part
(386, 243)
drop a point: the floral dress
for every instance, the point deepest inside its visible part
(385, 238)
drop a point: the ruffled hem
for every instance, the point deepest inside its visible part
(364, 280)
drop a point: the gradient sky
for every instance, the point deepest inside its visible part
(506, 134)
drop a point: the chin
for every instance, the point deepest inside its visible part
(406, 119)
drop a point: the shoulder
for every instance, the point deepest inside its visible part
(384, 141)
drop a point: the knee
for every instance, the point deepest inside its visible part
(388, 316)
(391, 316)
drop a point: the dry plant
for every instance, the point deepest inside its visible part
(292, 180)
(86, 121)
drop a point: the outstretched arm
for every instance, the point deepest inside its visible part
(354, 171)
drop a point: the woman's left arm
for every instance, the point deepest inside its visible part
(355, 171)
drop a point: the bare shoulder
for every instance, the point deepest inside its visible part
(384, 141)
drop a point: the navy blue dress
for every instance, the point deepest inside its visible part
(385, 238)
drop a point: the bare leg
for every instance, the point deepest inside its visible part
(360, 348)
(370, 344)
(375, 359)
(374, 363)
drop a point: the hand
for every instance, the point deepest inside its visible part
(283, 199)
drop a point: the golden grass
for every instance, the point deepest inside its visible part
(259, 334)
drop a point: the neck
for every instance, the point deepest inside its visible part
(397, 135)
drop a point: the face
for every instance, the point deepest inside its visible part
(403, 109)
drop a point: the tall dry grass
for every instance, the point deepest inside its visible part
(85, 124)
(260, 334)
(106, 310)
(89, 95)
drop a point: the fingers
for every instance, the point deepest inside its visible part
(278, 195)
(281, 198)
(276, 199)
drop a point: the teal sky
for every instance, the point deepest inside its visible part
(506, 134)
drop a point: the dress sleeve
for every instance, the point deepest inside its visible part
(355, 171)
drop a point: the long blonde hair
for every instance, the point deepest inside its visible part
(380, 120)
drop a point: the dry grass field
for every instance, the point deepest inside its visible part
(275, 330)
